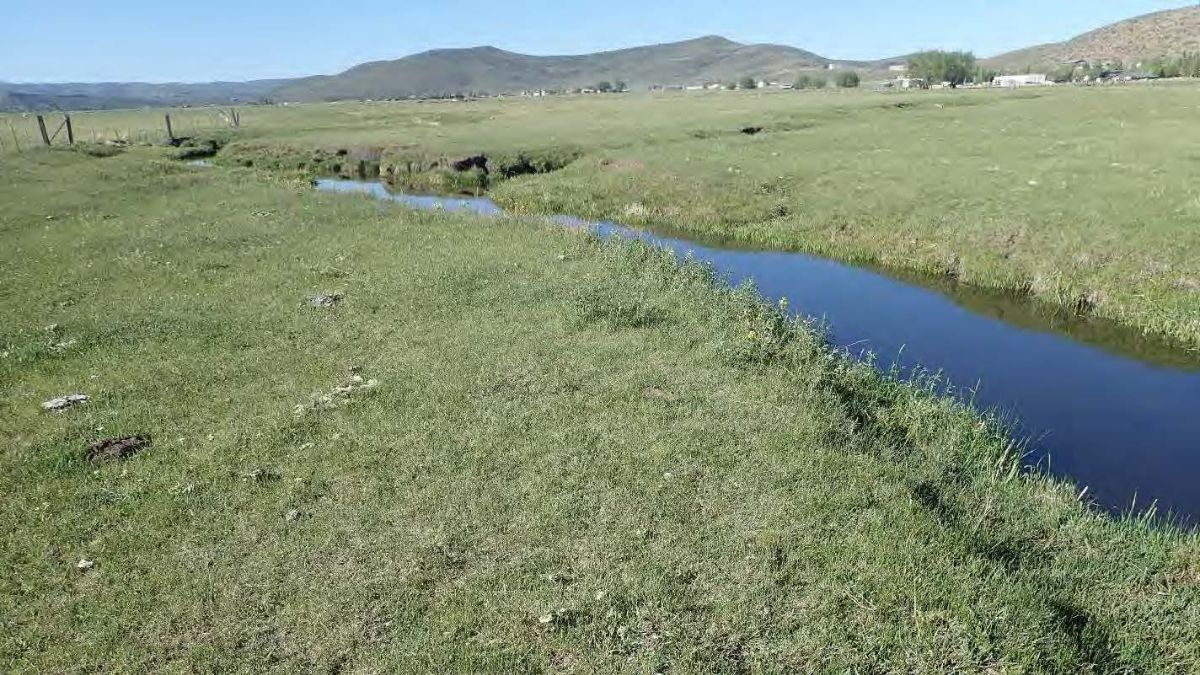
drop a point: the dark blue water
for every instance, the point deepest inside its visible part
(1101, 406)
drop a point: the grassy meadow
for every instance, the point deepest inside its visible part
(1082, 198)
(507, 448)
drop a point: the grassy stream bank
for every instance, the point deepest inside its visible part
(1008, 191)
(547, 454)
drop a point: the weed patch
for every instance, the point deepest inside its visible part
(617, 306)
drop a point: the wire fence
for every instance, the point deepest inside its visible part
(20, 132)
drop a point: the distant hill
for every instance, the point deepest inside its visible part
(108, 95)
(492, 70)
(1168, 33)
(495, 71)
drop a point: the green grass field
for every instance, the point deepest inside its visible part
(1083, 198)
(577, 456)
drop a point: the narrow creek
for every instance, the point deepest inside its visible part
(1098, 404)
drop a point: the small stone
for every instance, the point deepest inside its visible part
(292, 515)
(325, 300)
(63, 402)
(84, 565)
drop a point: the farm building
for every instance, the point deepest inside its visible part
(1020, 80)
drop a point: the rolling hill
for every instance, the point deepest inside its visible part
(108, 95)
(492, 70)
(1168, 33)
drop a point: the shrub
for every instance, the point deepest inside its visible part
(848, 79)
(807, 81)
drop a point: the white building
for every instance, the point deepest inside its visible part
(898, 68)
(1020, 80)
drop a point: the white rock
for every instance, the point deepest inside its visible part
(64, 402)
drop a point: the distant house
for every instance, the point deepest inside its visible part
(898, 68)
(1031, 80)
(910, 83)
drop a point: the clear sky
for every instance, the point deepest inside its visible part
(122, 40)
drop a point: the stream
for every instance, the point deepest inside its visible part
(1098, 404)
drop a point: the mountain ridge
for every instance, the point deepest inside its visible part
(490, 69)
(1170, 32)
(493, 70)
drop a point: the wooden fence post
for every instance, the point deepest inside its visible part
(42, 128)
(70, 129)
(170, 133)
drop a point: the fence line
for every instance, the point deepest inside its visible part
(25, 131)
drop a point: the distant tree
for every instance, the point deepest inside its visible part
(939, 66)
(604, 87)
(730, 86)
(807, 81)
(620, 86)
(848, 79)
(1187, 65)
(748, 82)
(983, 75)
(1065, 73)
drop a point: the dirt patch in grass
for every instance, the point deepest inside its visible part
(658, 394)
(113, 449)
(623, 164)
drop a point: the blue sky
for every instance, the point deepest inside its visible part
(89, 40)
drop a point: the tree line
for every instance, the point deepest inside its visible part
(846, 79)
(953, 68)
